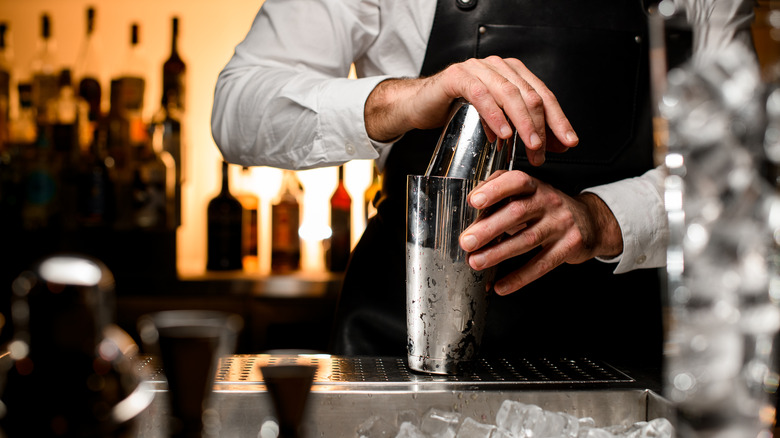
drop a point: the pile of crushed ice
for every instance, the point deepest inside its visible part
(513, 420)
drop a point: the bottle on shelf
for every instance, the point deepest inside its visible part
(66, 116)
(152, 185)
(251, 204)
(44, 68)
(174, 70)
(224, 229)
(132, 83)
(97, 207)
(371, 193)
(5, 81)
(170, 115)
(87, 70)
(340, 217)
(14, 158)
(285, 221)
(116, 128)
(41, 205)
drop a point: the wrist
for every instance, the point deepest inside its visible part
(607, 238)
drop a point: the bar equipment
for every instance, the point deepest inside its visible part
(189, 344)
(289, 385)
(446, 298)
(69, 369)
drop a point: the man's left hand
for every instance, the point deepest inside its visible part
(527, 213)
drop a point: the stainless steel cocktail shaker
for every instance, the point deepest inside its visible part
(446, 300)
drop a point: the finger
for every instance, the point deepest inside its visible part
(541, 264)
(553, 113)
(523, 105)
(530, 237)
(502, 185)
(476, 82)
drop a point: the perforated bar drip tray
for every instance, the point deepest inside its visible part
(366, 373)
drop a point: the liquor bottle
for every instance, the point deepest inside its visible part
(87, 70)
(285, 221)
(44, 69)
(371, 193)
(5, 81)
(97, 206)
(170, 115)
(224, 228)
(132, 83)
(116, 127)
(174, 70)
(340, 217)
(41, 206)
(22, 129)
(251, 203)
(66, 114)
(152, 185)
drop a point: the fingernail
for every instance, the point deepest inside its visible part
(539, 158)
(506, 131)
(468, 242)
(478, 200)
(536, 142)
(499, 288)
(571, 136)
(477, 260)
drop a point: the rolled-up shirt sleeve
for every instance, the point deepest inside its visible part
(284, 100)
(637, 204)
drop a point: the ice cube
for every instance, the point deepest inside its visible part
(471, 428)
(440, 423)
(409, 430)
(377, 427)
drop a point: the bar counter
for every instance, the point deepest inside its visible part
(349, 392)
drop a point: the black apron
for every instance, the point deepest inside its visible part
(593, 56)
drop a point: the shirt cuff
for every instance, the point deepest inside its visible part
(637, 204)
(341, 110)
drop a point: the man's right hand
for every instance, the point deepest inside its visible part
(503, 91)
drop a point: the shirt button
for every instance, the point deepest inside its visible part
(641, 259)
(350, 149)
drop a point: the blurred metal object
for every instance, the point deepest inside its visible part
(465, 149)
(189, 344)
(446, 300)
(64, 338)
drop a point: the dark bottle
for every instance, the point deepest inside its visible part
(5, 78)
(251, 204)
(224, 227)
(285, 221)
(88, 70)
(44, 69)
(116, 127)
(371, 193)
(340, 217)
(151, 186)
(174, 70)
(96, 192)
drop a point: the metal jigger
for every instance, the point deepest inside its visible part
(289, 387)
(70, 373)
(189, 344)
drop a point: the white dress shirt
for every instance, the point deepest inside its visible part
(284, 99)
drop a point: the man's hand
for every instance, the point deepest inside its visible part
(503, 91)
(527, 213)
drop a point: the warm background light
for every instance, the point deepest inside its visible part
(208, 33)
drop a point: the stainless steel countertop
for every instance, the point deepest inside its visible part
(348, 391)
